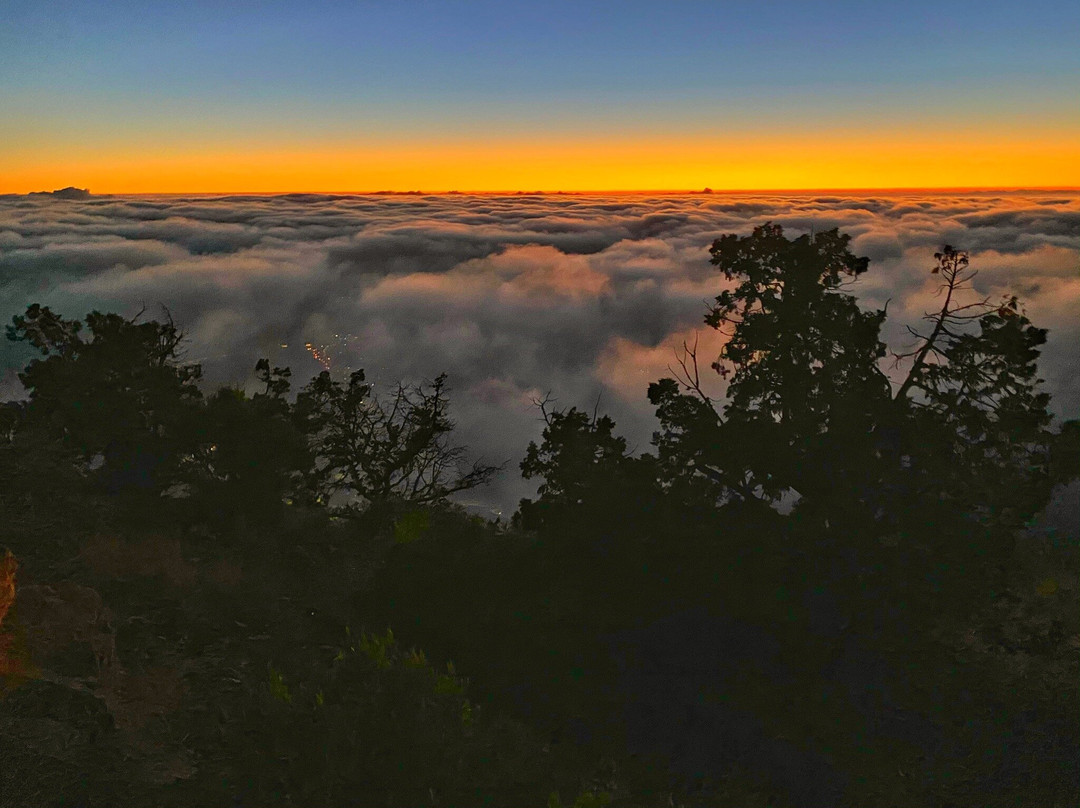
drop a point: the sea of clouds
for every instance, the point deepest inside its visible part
(514, 296)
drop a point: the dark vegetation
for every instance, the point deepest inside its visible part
(825, 589)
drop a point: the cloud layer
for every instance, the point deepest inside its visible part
(514, 296)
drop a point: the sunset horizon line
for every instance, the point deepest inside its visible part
(704, 191)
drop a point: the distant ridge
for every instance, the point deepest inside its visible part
(71, 192)
(888, 191)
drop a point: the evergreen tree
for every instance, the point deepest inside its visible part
(810, 412)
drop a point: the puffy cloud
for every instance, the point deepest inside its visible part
(513, 296)
(628, 367)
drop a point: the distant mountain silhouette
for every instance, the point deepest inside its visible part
(71, 192)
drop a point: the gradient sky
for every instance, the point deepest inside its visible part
(274, 96)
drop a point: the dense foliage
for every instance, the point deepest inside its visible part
(826, 586)
(811, 412)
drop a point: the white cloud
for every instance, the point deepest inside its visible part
(583, 296)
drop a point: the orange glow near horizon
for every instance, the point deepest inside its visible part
(761, 163)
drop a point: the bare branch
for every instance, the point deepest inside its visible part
(952, 266)
(542, 404)
(688, 373)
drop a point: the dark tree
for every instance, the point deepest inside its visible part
(801, 360)
(810, 411)
(117, 404)
(977, 424)
(588, 474)
(370, 449)
(251, 455)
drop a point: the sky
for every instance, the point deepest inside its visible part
(171, 97)
(583, 297)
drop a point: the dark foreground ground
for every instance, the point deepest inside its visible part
(738, 663)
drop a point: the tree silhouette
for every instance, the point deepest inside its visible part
(801, 359)
(973, 404)
(588, 475)
(251, 454)
(373, 449)
(810, 411)
(118, 405)
(122, 412)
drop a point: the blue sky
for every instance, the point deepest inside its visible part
(296, 72)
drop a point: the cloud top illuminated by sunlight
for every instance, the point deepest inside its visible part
(512, 296)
